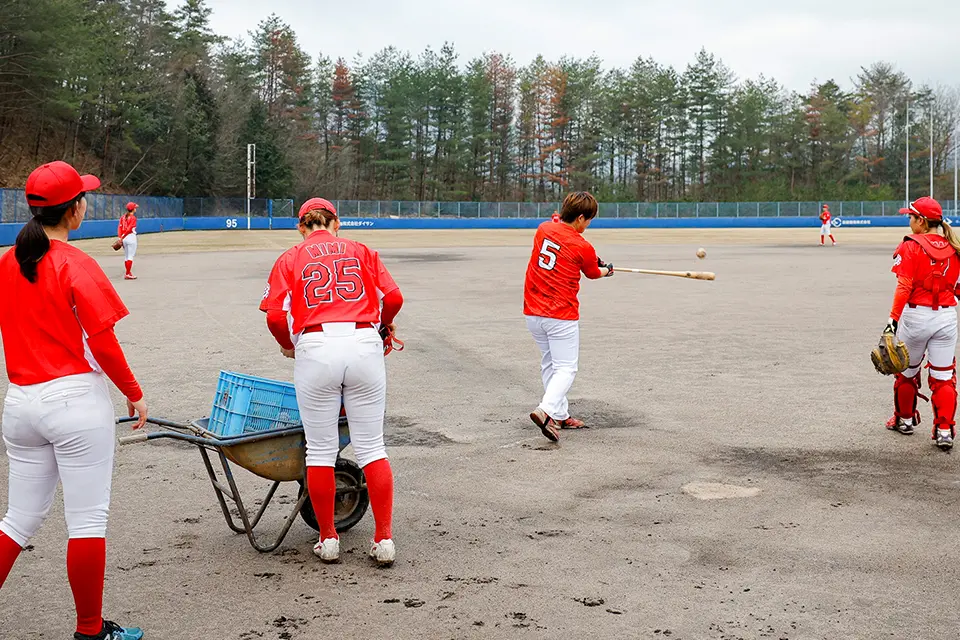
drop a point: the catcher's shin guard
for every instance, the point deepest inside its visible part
(943, 397)
(905, 392)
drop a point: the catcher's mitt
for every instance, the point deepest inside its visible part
(118, 245)
(890, 356)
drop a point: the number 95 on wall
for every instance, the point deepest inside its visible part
(231, 223)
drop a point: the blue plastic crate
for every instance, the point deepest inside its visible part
(248, 404)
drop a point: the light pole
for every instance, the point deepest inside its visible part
(931, 150)
(907, 201)
(251, 178)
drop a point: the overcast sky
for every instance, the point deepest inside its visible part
(795, 42)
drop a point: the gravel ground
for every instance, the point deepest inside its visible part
(737, 481)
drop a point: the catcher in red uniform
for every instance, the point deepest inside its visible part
(924, 318)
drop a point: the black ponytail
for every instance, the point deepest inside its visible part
(32, 241)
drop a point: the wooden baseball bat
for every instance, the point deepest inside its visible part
(696, 275)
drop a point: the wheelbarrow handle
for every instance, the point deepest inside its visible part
(135, 438)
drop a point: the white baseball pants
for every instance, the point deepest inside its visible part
(924, 330)
(825, 229)
(59, 431)
(559, 342)
(341, 362)
(130, 246)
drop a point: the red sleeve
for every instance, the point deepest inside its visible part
(901, 296)
(106, 350)
(120, 228)
(277, 323)
(392, 302)
(589, 265)
(385, 282)
(905, 259)
(278, 284)
(96, 302)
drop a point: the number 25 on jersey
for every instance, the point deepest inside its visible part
(320, 282)
(548, 254)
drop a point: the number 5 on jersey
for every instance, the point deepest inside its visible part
(320, 282)
(548, 254)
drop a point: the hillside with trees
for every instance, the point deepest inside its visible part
(157, 103)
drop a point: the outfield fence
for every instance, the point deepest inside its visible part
(100, 206)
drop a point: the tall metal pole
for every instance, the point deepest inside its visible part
(956, 164)
(251, 178)
(931, 151)
(907, 201)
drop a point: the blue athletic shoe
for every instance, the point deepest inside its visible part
(112, 631)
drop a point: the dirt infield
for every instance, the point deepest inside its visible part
(757, 386)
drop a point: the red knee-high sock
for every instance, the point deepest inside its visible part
(9, 552)
(322, 486)
(128, 264)
(821, 239)
(380, 487)
(832, 239)
(905, 396)
(86, 563)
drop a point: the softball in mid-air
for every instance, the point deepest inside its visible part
(701, 253)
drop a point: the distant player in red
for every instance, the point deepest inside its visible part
(57, 313)
(825, 227)
(127, 232)
(552, 309)
(924, 317)
(333, 289)
(555, 217)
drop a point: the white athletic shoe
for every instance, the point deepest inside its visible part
(384, 552)
(328, 550)
(944, 439)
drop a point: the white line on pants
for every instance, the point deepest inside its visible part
(341, 362)
(59, 431)
(559, 342)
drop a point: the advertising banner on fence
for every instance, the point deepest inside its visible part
(108, 228)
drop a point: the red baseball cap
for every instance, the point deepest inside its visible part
(56, 183)
(925, 207)
(131, 206)
(317, 203)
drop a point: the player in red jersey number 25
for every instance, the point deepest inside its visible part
(332, 289)
(552, 310)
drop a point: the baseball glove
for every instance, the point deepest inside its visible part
(118, 245)
(890, 356)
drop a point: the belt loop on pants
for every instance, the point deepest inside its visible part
(318, 328)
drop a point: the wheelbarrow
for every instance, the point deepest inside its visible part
(278, 455)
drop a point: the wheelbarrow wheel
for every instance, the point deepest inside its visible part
(352, 498)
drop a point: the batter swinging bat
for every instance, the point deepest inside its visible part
(696, 275)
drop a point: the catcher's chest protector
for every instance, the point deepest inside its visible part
(940, 252)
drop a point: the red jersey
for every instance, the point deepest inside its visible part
(128, 225)
(559, 255)
(915, 261)
(825, 217)
(45, 324)
(327, 279)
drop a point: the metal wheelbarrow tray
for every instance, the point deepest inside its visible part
(279, 456)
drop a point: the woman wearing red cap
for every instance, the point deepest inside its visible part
(924, 317)
(127, 232)
(57, 314)
(333, 289)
